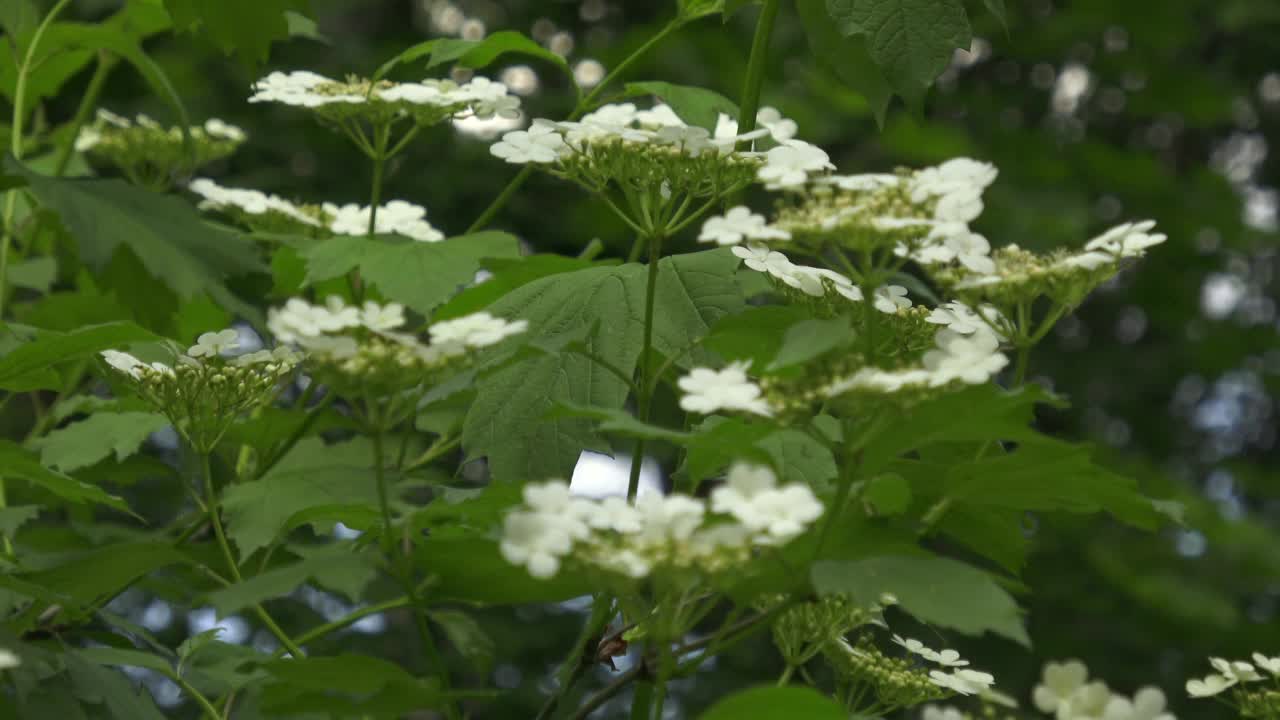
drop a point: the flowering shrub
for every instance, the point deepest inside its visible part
(838, 382)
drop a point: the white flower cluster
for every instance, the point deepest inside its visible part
(788, 166)
(260, 209)
(960, 679)
(677, 531)
(365, 341)
(707, 391)
(737, 225)
(1065, 692)
(207, 388)
(250, 202)
(1015, 269)
(971, 358)
(1229, 673)
(547, 141)
(818, 282)
(397, 216)
(112, 129)
(480, 97)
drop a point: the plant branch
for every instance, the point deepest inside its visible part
(106, 63)
(749, 103)
(645, 397)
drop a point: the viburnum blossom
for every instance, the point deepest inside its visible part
(962, 681)
(1065, 690)
(762, 259)
(891, 298)
(477, 330)
(962, 319)
(541, 143)
(429, 100)
(737, 225)
(397, 216)
(215, 343)
(788, 166)
(1127, 240)
(707, 391)
(1147, 704)
(658, 531)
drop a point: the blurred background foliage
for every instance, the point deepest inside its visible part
(1095, 112)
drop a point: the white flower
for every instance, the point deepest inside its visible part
(536, 541)
(123, 362)
(1235, 670)
(660, 115)
(397, 216)
(691, 140)
(668, 517)
(964, 682)
(972, 250)
(252, 202)
(616, 514)
(1127, 240)
(299, 88)
(768, 122)
(1147, 704)
(489, 98)
(9, 659)
(88, 138)
(867, 182)
(750, 495)
(1059, 682)
(959, 206)
(737, 225)
(788, 165)
(382, 317)
(215, 343)
(614, 115)
(762, 259)
(810, 281)
(1090, 260)
(946, 658)
(214, 127)
(912, 646)
(962, 319)
(972, 359)
(955, 175)
(1270, 664)
(1209, 686)
(476, 330)
(891, 298)
(707, 391)
(539, 144)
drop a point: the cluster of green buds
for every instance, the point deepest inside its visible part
(873, 683)
(153, 155)
(204, 391)
(802, 631)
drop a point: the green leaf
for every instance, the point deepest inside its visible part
(809, 339)
(616, 421)
(696, 106)
(125, 658)
(888, 494)
(997, 8)
(421, 275)
(935, 590)
(474, 53)
(718, 441)
(14, 517)
(471, 569)
(97, 684)
(1050, 476)
(335, 567)
(990, 415)
(34, 273)
(776, 703)
(311, 475)
(847, 57)
(88, 441)
(51, 348)
(798, 457)
(304, 27)
(468, 638)
(911, 40)
(345, 686)
(245, 27)
(733, 6)
(166, 234)
(755, 334)
(508, 274)
(103, 572)
(601, 308)
(19, 463)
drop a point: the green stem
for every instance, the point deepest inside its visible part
(106, 63)
(581, 657)
(786, 675)
(379, 167)
(406, 572)
(578, 111)
(642, 701)
(1020, 365)
(750, 101)
(201, 700)
(211, 502)
(355, 615)
(645, 396)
